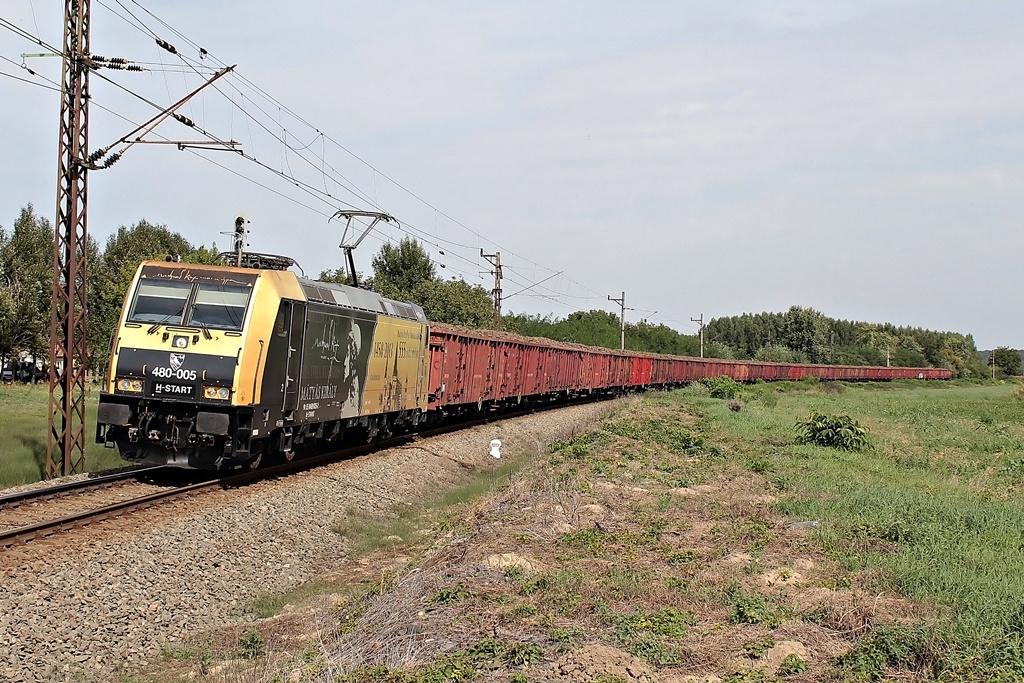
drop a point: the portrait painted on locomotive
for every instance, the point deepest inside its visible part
(334, 362)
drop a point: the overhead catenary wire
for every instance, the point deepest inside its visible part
(258, 115)
(282, 107)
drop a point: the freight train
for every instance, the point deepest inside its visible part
(218, 367)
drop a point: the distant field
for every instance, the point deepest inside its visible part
(23, 433)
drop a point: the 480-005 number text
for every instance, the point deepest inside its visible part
(168, 373)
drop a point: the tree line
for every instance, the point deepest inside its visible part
(805, 335)
(405, 272)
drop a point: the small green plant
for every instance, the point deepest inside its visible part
(722, 386)
(522, 654)
(251, 645)
(792, 664)
(518, 678)
(756, 648)
(515, 573)
(592, 540)
(644, 633)
(523, 610)
(683, 557)
(905, 648)
(758, 675)
(451, 596)
(654, 650)
(833, 431)
(758, 464)
(565, 638)
(531, 586)
(752, 608)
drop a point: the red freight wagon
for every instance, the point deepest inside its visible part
(471, 368)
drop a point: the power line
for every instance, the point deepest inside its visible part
(327, 171)
(284, 108)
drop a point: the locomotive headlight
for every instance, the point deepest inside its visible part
(126, 384)
(220, 393)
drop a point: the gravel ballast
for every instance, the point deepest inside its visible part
(103, 601)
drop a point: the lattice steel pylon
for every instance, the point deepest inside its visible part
(65, 448)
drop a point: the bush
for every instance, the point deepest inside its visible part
(251, 645)
(722, 386)
(833, 431)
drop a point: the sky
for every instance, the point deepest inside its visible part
(861, 158)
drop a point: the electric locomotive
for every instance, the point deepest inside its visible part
(214, 367)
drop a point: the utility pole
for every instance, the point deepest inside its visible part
(65, 447)
(701, 321)
(622, 319)
(495, 260)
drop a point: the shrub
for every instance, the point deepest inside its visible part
(903, 648)
(451, 596)
(752, 608)
(792, 664)
(251, 645)
(833, 431)
(722, 386)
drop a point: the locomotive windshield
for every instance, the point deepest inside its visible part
(160, 302)
(191, 302)
(221, 306)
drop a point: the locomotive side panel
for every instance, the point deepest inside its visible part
(395, 365)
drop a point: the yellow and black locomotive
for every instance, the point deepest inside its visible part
(214, 367)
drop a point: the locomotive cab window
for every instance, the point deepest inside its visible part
(160, 302)
(220, 306)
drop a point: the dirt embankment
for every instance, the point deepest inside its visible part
(635, 550)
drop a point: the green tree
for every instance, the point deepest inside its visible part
(340, 276)
(805, 330)
(455, 302)
(406, 273)
(26, 274)
(399, 270)
(1007, 360)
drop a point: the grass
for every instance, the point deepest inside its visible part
(24, 413)
(935, 507)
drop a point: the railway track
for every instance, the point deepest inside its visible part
(40, 513)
